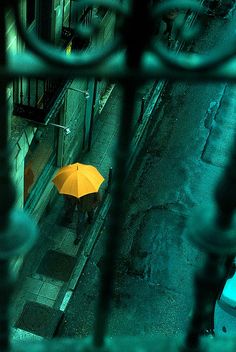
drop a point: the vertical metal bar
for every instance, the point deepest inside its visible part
(5, 291)
(14, 91)
(109, 181)
(92, 115)
(117, 213)
(44, 93)
(29, 88)
(84, 122)
(3, 115)
(63, 12)
(139, 14)
(207, 283)
(70, 13)
(7, 191)
(225, 192)
(44, 19)
(36, 92)
(140, 119)
(21, 90)
(211, 277)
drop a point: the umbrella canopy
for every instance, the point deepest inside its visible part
(78, 180)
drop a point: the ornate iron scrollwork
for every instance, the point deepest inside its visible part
(159, 61)
(143, 59)
(190, 62)
(55, 56)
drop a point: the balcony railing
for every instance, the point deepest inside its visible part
(130, 62)
(36, 97)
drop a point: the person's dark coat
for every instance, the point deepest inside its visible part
(89, 202)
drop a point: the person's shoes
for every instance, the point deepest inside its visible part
(77, 240)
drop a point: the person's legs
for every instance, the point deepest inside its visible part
(90, 216)
(80, 226)
(69, 208)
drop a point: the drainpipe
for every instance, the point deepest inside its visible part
(92, 114)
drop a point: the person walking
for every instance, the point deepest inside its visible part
(79, 183)
(86, 207)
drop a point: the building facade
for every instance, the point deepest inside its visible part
(52, 120)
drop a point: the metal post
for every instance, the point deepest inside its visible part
(207, 283)
(92, 115)
(21, 91)
(140, 14)
(84, 122)
(36, 93)
(70, 15)
(44, 19)
(44, 94)
(7, 193)
(29, 88)
(116, 217)
(140, 119)
(63, 13)
(108, 189)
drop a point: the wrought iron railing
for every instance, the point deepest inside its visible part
(35, 97)
(133, 57)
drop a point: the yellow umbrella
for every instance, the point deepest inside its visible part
(78, 180)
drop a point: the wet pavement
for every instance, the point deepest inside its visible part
(57, 265)
(180, 164)
(39, 319)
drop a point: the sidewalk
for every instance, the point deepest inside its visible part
(53, 267)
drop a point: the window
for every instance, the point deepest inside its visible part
(40, 159)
